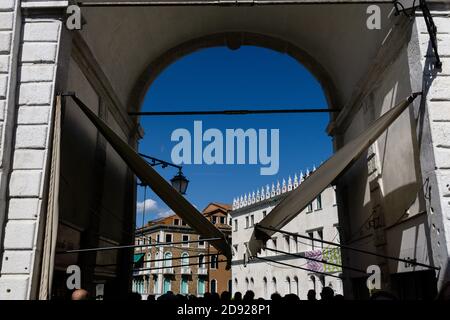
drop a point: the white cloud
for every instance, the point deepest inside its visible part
(150, 205)
(164, 213)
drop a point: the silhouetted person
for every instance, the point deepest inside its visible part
(237, 296)
(312, 295)
(249, 296)
(80, 294)
(225, 296)
(382, 295)
(133, 296)
(151, 297)
(338, 297)
(275, 297)
(327, 294)
(291, 298)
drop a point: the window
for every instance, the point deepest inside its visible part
(264, 213)
(311, 235)
(213, 288)
(214, 219)
(183, 223)
(235, 225)
(166, 285)
(201, 261)
(155, 284)
(274, 284)
(185, 238)
(201, 286)
(184, 288)
(274, 240)
(319, 202)
(222, 220)
(176, 222)
(247, 222)
(252, 284)
(287, 240)
(310, 208)
(168, 237)
(157, 238)
(214, 262)
(230, 221)
(185, 258)
(148, 260)
(288, 285)
(167, 259)
(252, 220)
(266, 292)
(201, 243)
(320, 234)
(247, 285)
(296, 289)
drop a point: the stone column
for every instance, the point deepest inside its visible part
(35, 39)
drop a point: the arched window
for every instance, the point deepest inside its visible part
(246, 284)
(213, 288)
(166, 285)
(184, 288)
(288, 285)
(252, 284)
(266, 292)
(201, 286)
(167, 259)
(274, 285)
(185, 258)
(201, 261)
(296, 288)
(235, 284)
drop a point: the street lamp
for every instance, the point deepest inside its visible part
(179, 182)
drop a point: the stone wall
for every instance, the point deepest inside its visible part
(37, 51)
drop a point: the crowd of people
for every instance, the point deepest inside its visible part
(327, 294)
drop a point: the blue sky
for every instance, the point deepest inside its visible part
(220, 79)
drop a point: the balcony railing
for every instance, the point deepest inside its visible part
(186, 270)
(202, 271)
(168, 270)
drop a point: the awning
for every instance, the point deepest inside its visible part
(174, 200)
(298, 199)
(137, 257)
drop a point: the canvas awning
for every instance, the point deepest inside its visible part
(174, 200)
(298, 199)
(137, 257)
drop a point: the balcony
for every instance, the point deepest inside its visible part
(202, 271)
(168, 270)
(186, 270)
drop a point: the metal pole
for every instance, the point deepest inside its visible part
(350, 248)
(133, 246)
(231, 112)
(223, 3)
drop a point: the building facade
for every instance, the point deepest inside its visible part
(188, 268)
(318, 221)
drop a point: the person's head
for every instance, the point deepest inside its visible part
(327, 294)
(338, 297)
(311, 295)
(133, 296)
(80, 294)
(249, 295)
(291, 298)
(275, 297)
(151, 297)
(225, 296)
(382, 295)
(238, 296)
